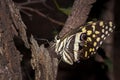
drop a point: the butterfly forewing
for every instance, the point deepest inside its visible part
(83, 41)
(96, 34)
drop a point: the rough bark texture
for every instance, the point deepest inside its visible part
(78, 16)
(43, 63)
(9, 56)
(11, 26)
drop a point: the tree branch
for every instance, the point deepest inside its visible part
(29, 2)
(43, 63)
(40, 14)
(78, 16)
(9, 56)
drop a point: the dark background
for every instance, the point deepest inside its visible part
(42, 28)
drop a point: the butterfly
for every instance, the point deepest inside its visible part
(83, 42)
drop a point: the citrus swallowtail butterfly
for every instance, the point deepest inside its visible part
(83, 41)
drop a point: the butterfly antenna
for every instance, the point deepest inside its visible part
(43, 40)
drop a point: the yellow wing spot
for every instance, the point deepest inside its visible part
(110, 29)
(103, 36)
(101, 42)
(86, 53)
(113, 26)
(103, 26)
(101, 23)
(106, 27)
(89, 32)
(90, 22)
(98, 39)
(93, 35)
(81, 27)
(106, 32)
(93, 27)
(110, 23)
(94, 24)
(85, 45)
(97, 32)
(103, 30)
(89, 39)
(84, 30)
(88, 57)
(97, 47)
(92, 53)
(91, 49)
(94, 44)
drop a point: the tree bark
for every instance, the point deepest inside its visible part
(12, 26)
(78, 15)
(10, 57)
(44, 64)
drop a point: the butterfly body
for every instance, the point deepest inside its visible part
(83, 41)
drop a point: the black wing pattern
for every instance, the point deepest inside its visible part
(83, 41)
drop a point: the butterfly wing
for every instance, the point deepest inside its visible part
(83, 41)
(96, 33)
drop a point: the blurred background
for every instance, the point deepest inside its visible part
(45, 18)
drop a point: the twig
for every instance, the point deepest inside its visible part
(41, 14)
(47, 6)
(27, 13)
(34, 2)
(29, 2)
